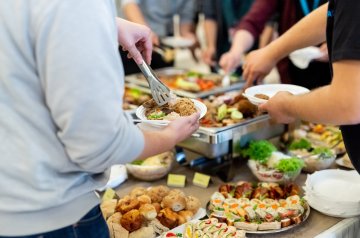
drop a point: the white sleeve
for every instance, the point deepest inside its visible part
(82, 77)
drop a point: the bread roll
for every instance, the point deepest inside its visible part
(176, 192)
(192, 204)
(137, 192)
(157, 207)
(108, 208)
(132, 220)
(174, 201)
(144, 199)
(168, 218)
(188, 215)
(157, 193)
(127, 204)
(148, 211)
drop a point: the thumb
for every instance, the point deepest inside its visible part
(263, 107)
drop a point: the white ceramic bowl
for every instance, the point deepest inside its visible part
(152, 172)
(271, 175)
(178, 42)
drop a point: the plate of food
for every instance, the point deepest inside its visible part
(261, 208)
(177, 42)
(208, 228)
(150, 212)
(160, 116)
(262, 93)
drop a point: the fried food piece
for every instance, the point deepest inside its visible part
(225, 189)
(168, 218)
(148, 211)
(243, 190)
(188, 215)
(184, 107)
(132, 220)
(137, 192)
(144, 199)
(262, 96)
(261, 193)
(247, 108)
(192, 204)
(126, 204)
(291, 189)
(157, 206)
(276, 192)
(157, 193)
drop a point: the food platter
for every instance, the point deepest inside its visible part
(305, 217)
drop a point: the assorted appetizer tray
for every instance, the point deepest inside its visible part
(260, 208)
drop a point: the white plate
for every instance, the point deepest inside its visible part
(178, 42)
(270, 90)
(140, 113)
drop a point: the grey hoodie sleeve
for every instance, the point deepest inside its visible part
(82, 78)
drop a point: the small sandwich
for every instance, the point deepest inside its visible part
(188, 230)
(205, 223)
(275, 225)
(248, 226)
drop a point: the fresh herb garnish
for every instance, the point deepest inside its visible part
(322, 152)
(260, 151)
(300, 144)
(290, 165)
(137, 162)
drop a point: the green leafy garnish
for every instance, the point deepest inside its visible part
(290, 165)
(259, 150)
(137, 162)
(323, 152)
(156, 115)
(300, 144)
(136, 93)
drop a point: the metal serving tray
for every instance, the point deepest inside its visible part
(136, 81)
(214, 142)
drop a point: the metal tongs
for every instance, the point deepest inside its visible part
(159, 91)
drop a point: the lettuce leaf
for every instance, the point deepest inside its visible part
(259, 151)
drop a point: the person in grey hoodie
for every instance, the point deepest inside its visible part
(62, 125)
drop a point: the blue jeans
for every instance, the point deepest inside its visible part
(92, 225)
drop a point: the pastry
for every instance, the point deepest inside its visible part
(138, 191)
(176, 202)
(157, 207)
(192, 204)
(132, 220)
(148, 211)
(157, 193)
(168, 218)
(188, 215)
(144, 199)
(176, 192)
(127, 204)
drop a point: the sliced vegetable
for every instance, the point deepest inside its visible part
(323, 152)
(137, 162)
(222, 111)
(156, 115)
(236, 115)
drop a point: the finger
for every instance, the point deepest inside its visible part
(263, 107)
(147, 52)
(135, 54)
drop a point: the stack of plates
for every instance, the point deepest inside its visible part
(334, 192)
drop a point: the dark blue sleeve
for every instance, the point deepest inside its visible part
(209, 9)
(346, 31)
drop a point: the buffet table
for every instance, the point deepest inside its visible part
(316, 225)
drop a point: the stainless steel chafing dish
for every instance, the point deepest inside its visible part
(138, 81)
(215, 142)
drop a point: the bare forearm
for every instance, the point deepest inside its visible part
(311, 30)
(186, 29)
(133, 13)
(242, 42)
(156, 142)
(337, 103)
(210, 33)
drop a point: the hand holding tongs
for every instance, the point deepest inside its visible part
(159, 91)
